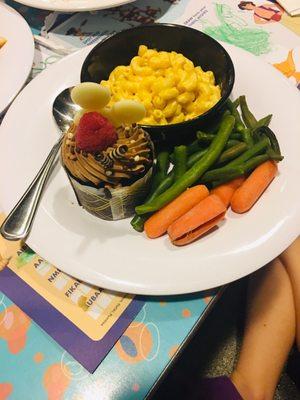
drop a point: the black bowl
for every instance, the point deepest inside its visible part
(120, 48)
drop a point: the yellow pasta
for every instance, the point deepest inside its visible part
(171, 88)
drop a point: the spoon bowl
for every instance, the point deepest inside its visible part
(64, 109)
(19, 221)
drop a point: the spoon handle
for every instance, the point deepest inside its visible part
(18, 223)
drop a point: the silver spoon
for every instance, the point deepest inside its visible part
(19, 221)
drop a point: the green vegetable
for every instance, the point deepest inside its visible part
(226, 178)
(248, 117)
(265, 121)
(161, 169)
(227, 174)
(231, 143)
(253, 151)
(138, 221)
(273, 155)
(193, 147)
(247, 137)
(239, 126)
(180, 161)
(195, 157)
(265, 131)
(214, 127)
(222, 173)
(204, 137)
(159, 175)
(232, 152)
(236, 102)
(254, 162)
(207, 138)
(196, 171)
(236, 136)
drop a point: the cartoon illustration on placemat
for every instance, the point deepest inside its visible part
(235, 30)
(134, 15)
(56, 381)
(43, 64)
(271, 12)
(288, 68)
(24, 256)
(14, 324)
(79, 32)
(6, 389)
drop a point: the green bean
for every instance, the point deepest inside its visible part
(161, 170)
(232, 152)
(246, 167)
(236, 102)
(265, 121)
(205, 137)
(265, 131)
(231, 143)
(273, 155)
(254, 162)
(226, 178)
(138, 221)
(247, 115)
(180, 161)
(216, 125)
(163, 186)
(221, 173)
(239, 126)
(226, 112)
(253, 151)
(193, 147)
(159, 174)
(247, 137)
(196, 171)
(195, 157)
(236, 136)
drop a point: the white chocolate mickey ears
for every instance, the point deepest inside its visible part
(90, 95)
(129, 111)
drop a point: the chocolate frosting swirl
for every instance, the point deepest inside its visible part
(127, 160)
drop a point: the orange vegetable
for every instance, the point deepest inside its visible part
(159, 222)
(247, 195)
(226, 191)
(199, 220)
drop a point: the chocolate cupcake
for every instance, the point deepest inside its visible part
(109, 168)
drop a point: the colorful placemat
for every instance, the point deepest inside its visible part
(152, 340)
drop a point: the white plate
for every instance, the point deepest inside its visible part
(16, 56)
(74, 5)
(111, 254)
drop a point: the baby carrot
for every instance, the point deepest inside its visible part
(253, 187)
(195, 234)
(159, 222)
(226, 191)
(190, 226)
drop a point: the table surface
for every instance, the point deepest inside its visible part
(32, 359)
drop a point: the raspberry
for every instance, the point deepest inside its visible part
(94, 133)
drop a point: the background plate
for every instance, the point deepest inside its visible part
(16, 56)
(111, 254)
(74, 5)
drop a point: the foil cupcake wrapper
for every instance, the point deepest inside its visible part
(112, 204)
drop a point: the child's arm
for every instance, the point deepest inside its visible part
(291, 259)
